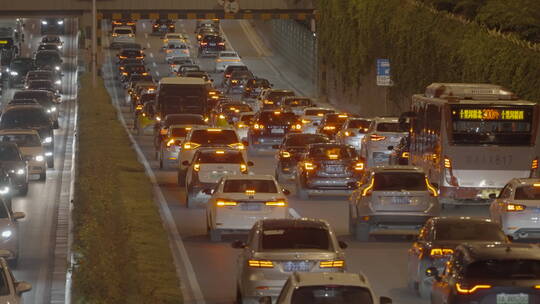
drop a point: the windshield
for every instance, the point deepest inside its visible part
(390, 127)
(295, 238)
(9, 153)
(182, 99)
(332, 152)
(220, 157)
(360, 124)
(257, 185)
(528, 192)
(305, 139)
(222, 137)
(331, 294)
(278, 117)
(398, 181)
(468, 231)
(123, 31)
(131, 53)
(179, 132)
(275, 96)
(507, 269)
(317, 112)
(24, 118)
(510, 126)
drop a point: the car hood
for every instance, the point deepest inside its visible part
(31, 150)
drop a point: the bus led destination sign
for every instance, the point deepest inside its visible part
(490, 114)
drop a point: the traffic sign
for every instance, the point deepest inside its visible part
(231, 7)
(383, 72)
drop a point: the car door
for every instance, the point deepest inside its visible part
(247, 252)
(415, 252)
(496, 207)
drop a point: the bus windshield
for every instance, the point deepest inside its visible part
(489, 125)
(182, 99)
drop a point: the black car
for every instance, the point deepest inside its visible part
(436, 243)
(183, 69)
(136, 78)
(41, 84)
(329, 168)
(254, 86)
(11, 159)
(163, 26)
(273, 96)
(211, 45)
(49, 60)
(46, 99)
(44, 75)
(489, 273)
(53, 26)
(291, 150)
(232, 68)
(133, 69)
(130, 54)
(18, 68)
(270, 127)
(237, 81)
(332, 123)
(31, 117)
(6, 187)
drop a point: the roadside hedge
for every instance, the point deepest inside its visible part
(121, 248)
(423, 45)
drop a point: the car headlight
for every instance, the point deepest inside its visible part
(7, 70)
(7, 234)
(59, 47)
(13, 73)
(58, 82)
(20, 171)
(48, 153)
(53, 109)
(44, 22)
(39, 158)
(57, 68)
(47, 140)
(60, 22)
(4, 190)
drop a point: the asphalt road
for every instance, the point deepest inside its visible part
(383, 260)
(38, 230)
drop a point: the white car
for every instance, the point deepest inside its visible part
(226, 58)
(517, 208)
(176, 63)
(176, 49)
(239, 201)
(171, 145)
(327, 287)
(243, 124)
(205, 137)
(382, 133)
(353, 131)
(209, 165)
(169, 37)
(312, 117)
(13, 289)
(31, 147)
(122, 35)
(9, 234)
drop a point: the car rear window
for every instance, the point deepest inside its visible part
(224, 137)
(298, 102)
(220, 157)
(507, 269)
(331, 294)
(277, 117)
(179, 132)
(277, 95)
(305, 139)
(332, 152)
(468, 231)
(397, 181)
(8, 153)
(257, 185)
(317, 112)
(295, 238)
(123, 31)
(360, 124)
(528, 192)
(390, 127)
(336, 118)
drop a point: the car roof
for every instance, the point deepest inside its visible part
(397, 168)
(329, 278)
(294, 222)
(499, 251)
(254, 176)
(328, 144)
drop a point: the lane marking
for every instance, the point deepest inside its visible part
(151, 55)
(145, 34)
(148, 45)
(294, 214)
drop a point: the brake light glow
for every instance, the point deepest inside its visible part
(238, 146)
(329, 128)
(191, 145)
(204, 43)
(122, 57)
(243, 168)
(276, 203)
(375, 137)
(285, 154)
(258, 126)
(464, 290)
(170, 142)
(405, 155)
(139, 107)
(515, 207)
(196, 167)
(223, 203)
(367, 191)
(440, 252)
(447, 163)
(534, 164)
(306, 121)
(309, 166)
(359, 166)
(260, 264)
(332, 264)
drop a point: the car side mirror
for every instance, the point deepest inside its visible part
(343, 245)
(433, 272)
(275, 146)
(185, 163)
(265, 300)
(385, 300)
(390, 148)
(238, 244)
(245, 143)
(286, 191)
(22, 287)
(510, 238)
(18, 215)
(492, 196)
(250, 163)
(208, 191)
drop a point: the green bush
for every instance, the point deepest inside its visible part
(122, 251)
(423, 46)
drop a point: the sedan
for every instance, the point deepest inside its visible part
(9, 233)
(226, 58)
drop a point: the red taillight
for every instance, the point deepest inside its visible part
(221, 43)
(204, 43)
(375, 137)
(465, 290)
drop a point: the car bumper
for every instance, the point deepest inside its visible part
(267, 140)
(35, 167)
(235, 220)
(394, 222)
(332, 183)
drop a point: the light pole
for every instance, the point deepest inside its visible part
(94, 44)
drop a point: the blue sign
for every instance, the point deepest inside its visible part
(383, 72)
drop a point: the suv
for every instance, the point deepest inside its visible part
(291, 151)
(46, 99)
(382, 133)
(121, 35)
(232, 68)
(488, 273)
(392, 198)
(49, 60)
(352, 132)
(278, 247)
(208, 166)
(161, 128)
(332, 123)
(44, 74)
(53, 26)
(10, 233)
(12, 159)
(130, 54)
(254, 86)
(211, 45)
(269, 98)
(312, 117)
(18, 68)
(329, 169)
(270, 127)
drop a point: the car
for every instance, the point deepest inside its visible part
(17, 70)
(176, 63)
(183, 69)
(176, 49)
(326, 287)
(516, 208)
(141, 87)
(312, 117)
(245, 121)
(52, 26)
(392, 199)
(436, 243)
(125, 53)
(254, 86)
(130, 45)
(163, 26)
(31, 147)
(296, 104)
(226, 58)
(488, 273)
(382, 133)
(235, 83)
(399, 154)
(7, 191)
(171, 145)
(145, 118)
(198, 74)
(231, 111)
(44, 75)
(328, 169)
(134, 79)
(205, 31)
(177, 37)
(275, 248)
(52, 40)
(270, 127)
(353, 131)
(291, 151)
(232, 68)
(208, 166)
(12, 159)
(269, 98)
(332, 123)
(205, 137)
(132, 69)
(46, 99)
(42, 85)
(31, 117)
(211, 45)
(48, 47)
(121, 35)
(208, 23)
(49, 60)
(124, 22)
(10, 234)
(161, 128)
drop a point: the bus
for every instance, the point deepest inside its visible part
(182, 95)
(471, 139)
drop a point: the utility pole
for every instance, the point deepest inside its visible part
(94, 44)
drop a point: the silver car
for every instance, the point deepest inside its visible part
(392, 199)
(9, 233)
(353, 131)
(383, 132)
(312, 117)
(278, 247)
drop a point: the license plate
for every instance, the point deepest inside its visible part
(212, 44)
(334, 169)
(251, 207)
(401, 200)
(300, 266)
(278, 131)
(504, 298)
(380, 157)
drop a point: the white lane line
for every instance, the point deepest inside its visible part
(157, 73)
(294, 214)
(168, 220)
(154, 64)
(148, 45)
(145, 34)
